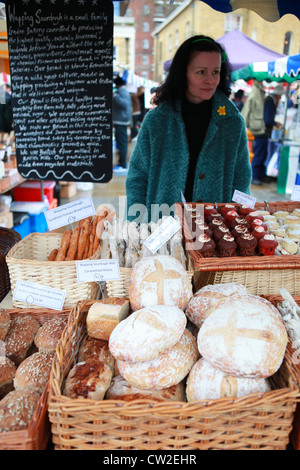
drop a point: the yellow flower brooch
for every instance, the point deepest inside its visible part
(222, 111)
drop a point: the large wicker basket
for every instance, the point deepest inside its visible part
(256, 421)
(37, 435)
(260, 274)
(8, 238)
(27, 261)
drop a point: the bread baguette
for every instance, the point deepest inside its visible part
(104, 315)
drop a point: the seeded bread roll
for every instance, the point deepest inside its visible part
(7, 373)
(4, 324)
(167, 369)
(147, 332)
(20, 337)
(93, 350)
(49, 334)
(34, 372)
(88, 380)
(17, 409)
(120, 389)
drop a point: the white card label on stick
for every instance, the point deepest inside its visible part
(70, 213)
(98, 270)
(243, 198)
(37, 294)
(162, 234)
(296, 193)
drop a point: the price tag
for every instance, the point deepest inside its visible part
(296, 193)
(70, 213)
(99, 270)
(40, 295)
(243, 198)
(162, 234)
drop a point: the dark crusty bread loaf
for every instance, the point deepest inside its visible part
(7, 373)
(33, 373)
(88, 380)
(20, 337)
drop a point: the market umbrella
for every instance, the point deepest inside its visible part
(286, 69)
(270, 10)
(243, 50)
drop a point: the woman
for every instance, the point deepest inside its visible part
(194, 141)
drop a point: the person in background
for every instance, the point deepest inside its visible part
(270, 109)
(121, 111)
(253, 113)
(141, 97)
(135, 115)
(239, 99)
(194, 141)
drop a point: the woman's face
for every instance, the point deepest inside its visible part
(203, 76)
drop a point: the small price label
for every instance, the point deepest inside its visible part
(99, 270)
(70, 213)
(244, 199)
(37, 294)
(162, 234)
(296, 193)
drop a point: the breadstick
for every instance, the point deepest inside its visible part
(83, 221)
(65, 241)
(91, 245)
(53, 255)
(71, 253)
(83, 237)
(87, 248)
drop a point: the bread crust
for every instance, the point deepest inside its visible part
(20, 337)
(49, 334)
(17, 409)
(88, 380)
(33, 373)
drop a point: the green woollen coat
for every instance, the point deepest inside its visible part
(158, 167)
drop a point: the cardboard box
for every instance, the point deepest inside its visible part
(68, 190)
(6, 219)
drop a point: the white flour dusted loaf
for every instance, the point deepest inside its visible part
(167, 369)
(120, 389)
(205, 298)
(205, 382)
(147, 332)
(159, 280)
(243, 337)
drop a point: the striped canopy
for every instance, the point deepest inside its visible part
(285, 69)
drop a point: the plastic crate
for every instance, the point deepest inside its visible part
(31, 191)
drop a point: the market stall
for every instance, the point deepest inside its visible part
(133, 342)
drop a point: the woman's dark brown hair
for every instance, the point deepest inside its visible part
(174, 86)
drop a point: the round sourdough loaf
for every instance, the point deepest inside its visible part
(205, 382)
(120, 389)
(169, 368)
(205, 298)
(243, 337)
(159, 280)
(147, 332)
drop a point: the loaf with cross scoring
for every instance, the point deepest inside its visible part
(159, 280)
(243, 337)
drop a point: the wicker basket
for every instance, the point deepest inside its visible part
(8, 238)
(37, 435)
(256, 421)
(295, 435)
(260, 274)
(27, 261)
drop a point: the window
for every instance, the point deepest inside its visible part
(145, 60)
(233, 22)
(170, 43)
(287, 42)
(176, 44)
(146, 27)
(145, 44)
(146, 10)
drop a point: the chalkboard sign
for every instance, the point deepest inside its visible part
(61, 60)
